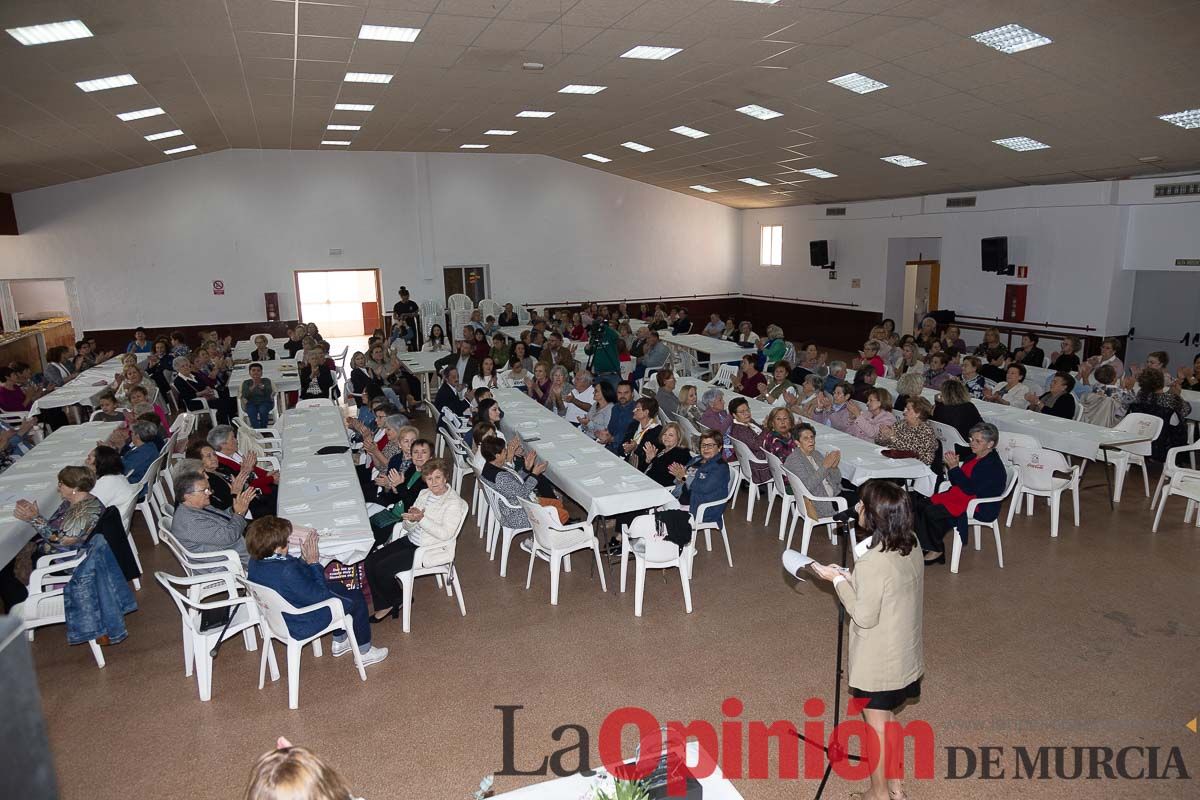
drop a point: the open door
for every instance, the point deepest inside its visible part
(921, 280)
(342, 302)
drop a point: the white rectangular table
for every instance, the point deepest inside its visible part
(423, 365)
(322, 491)
(243, 349)
(284, 376)
(84, 387)
(716, 350)
(600, 482)
(861, 460)
(34, 476)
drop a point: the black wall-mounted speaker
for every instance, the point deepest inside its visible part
(818, 253)
(994, 253)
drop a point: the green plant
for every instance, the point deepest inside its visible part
(624, 790)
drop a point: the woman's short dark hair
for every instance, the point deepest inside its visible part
(782, 363)
(883, 396)
(267, 534)
(607, 391)
(481, 431)
(108, 461)
(1106, 374)
(987, 430)
(804, 426)
(195, 450)
(491, 447)
(846, 388)
(921, 406)
(864, 372)
(438, 465)
(1067, 378)
(888, 515)
(78, 478)
(485, 405)
(55, 354)
(649, 405)
(1019, 367)
(1150, 381)
(737, 403)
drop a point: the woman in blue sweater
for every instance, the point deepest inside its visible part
(301, 582)
(705, 479)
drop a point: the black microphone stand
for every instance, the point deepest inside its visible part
(834, 751)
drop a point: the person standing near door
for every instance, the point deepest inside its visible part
(407, 311)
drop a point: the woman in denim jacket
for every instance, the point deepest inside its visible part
(705, 479)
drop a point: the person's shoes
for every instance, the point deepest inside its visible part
(941, 559)
(614, 547)
(341, 648)
(393, 614)
(374, 655)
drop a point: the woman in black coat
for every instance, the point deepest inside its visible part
(954, 408)
(316, 379)
(670, 450)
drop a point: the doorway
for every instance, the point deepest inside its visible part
(921, 279)
(471, 280)
(344, 303)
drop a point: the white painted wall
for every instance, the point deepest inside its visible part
(146, 244)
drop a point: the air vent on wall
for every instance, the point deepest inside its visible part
(1176, 189)
(960, 202)
(835, 212)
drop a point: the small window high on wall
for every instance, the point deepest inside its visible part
(771, 238)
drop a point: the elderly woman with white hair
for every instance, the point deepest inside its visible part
(195, 391)
(773, 345)
(555, 397)
(223, 440)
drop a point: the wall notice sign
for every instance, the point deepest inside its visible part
(218, 287)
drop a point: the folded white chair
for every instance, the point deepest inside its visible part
(977, 525)
(1038, 471)
(1126, 455)
(650, 552)
(45, 604)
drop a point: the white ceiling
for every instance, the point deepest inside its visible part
(266, 74)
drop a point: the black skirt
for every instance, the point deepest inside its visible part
(889, 699)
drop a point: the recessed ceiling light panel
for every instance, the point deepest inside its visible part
(354, 107)
(1021, 143)
(651, 53)
(819, 173)
(760, 2)
(474, 146)
(183, 149)
(641, 148)
(1185, 119)
(498, 132)
(154, 137)
(50, 32)
(758, 112)
(754, 181)
(343, 127)
(691, 133)
(903, 161)
(860, 84)
(701, 188)
(536, 114)
(368, 77)
(111, 82)
(581, 88)
(336, 142)
(1011, 39)
(130, 116)
(594, 157)
(387, 33)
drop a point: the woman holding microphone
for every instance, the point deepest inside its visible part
(884, 596)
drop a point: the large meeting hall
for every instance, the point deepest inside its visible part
(711, 399)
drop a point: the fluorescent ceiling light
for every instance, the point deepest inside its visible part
(700, 188)
(154, 137)
(474, 146)
(368, 77)
(336, 142)
(641, 148)
(130, 116)
(353, 107)
(819, 173)
(692, 133)
(651, 53)
(387, 33)
(1021, 143)
(1011, 39)
(183, 149)
(903, 161)
(758, 112)
(1184, 119)
(595, 157)
(111, 82)
(50, 32)
(760, 2)
(343, 127)
(754, 181)
(498, 132)
(536, 114)
(581, 88)
(858, 83)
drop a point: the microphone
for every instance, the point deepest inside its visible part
(794, 563)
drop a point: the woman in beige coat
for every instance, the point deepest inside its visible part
(884, 597)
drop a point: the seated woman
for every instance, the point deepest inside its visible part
(450, 393)
(520, 480)
(112, 488)
(143, 447)
(516, 377)
(714, 415)
(486, 379)
(749, 381)
(1059, 401)
(403, 485)
(670, 450)
(835, 411)
(705, 479)
(1156, 399)
(779, 438)
(261, 351)
(774, 345)
(259, 396)
(58, 366)
(782, 391)
(559, 390)
(971, 378)
(226, 483)
(395, 453)
(539, 383)
(745, 430)
(811, 388)
(223, 440)
(954, 408)
(195, 392)
(927, 334)
(870, 355)
(316, 379)
(642, 431)
(596, 419)
(868, 424)
(689, 408)
(1189, 377)
(864, 381)
(361, 386)
(991, 341)
(434, 518)
(69, 527)
(819, 472)
(907, 358)
(982, 475)
(913, 433)
(1108, 355)
(436, 341)
(1013, 391)
(301, 582)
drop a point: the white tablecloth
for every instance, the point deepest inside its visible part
(284, 376)
(83, 388)
(717, 350)
(244, 348)
(861, 460)
(322, 491)
(596, 479)
(34, 476)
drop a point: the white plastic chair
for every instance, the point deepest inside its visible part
(523, 316)
(435, 559)
(554, 542)
(948, 436)
(490, 308)
(459, 302)
(45, 604)
(779, 490)
(977, 525)
(1171, 469)
(149, 482)
(315, 402)
(650, 552)
(627, 368)
(1036, 470)
(271, 608)
(698, 523)
(693, 435)
(800, 492)
(1007, 442)
(1186, 484)
(725, 375)
(499, 533)
(1126, 455)
(197, 643)
(745, 464)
